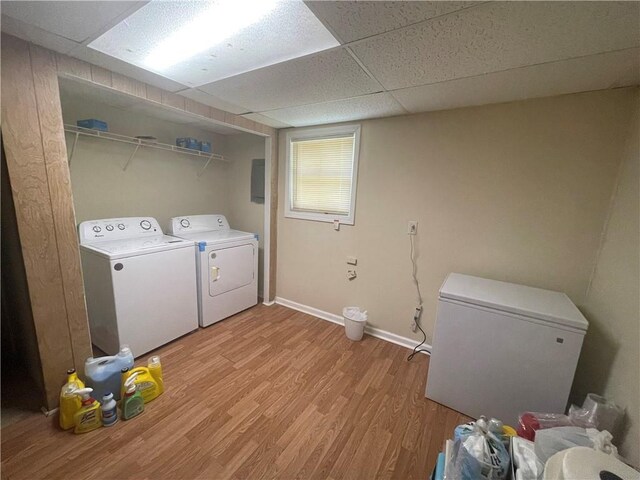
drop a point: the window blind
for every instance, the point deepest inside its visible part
(321, 174)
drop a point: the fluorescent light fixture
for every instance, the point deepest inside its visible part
(218, 22)
(199, 42)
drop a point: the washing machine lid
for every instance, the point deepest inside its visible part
(546, 305)
(215, 237)
(129, 247)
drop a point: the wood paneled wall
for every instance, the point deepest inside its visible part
(33, 134)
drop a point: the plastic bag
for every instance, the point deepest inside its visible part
(596, 412)
(489, 454)
(526, 463)
(553, 440)
(529, 422)
(602, 441)
(463, 466)
(355, 313)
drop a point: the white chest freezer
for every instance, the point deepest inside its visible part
(500, 349)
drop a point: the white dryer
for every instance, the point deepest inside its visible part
(227, 265)
(139, 284)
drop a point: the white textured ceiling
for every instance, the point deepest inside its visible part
(326, 76)
(497, 36)
(351, 21)
(395, 57)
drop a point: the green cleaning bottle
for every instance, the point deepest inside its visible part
(132, 402)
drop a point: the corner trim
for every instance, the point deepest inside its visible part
(374, 332)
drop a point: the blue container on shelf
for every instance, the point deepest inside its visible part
(205, 147)
(93, 124)
(188, 142)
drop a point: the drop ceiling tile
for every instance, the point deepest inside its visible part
(36, 35)
(212, 101)
(317, 78)
(595, 72)
(355, 20)
(358, 108)
(75, 21)
(105, 61)
(498, 36)
(256, 117)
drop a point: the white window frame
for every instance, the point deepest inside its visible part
(319, 133)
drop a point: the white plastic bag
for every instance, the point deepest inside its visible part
(482, 456)
(526, 462)
(553, 440)
(602, 441)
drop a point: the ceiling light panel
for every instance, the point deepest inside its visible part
(200, 42)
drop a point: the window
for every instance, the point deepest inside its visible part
(322, 166)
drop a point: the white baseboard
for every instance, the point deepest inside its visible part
(268, 304)
(374, 332)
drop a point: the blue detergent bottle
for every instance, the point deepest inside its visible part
(103, 373)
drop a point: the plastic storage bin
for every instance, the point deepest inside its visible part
(188, 142)
(354, 322)
(205, 147)
(93, 124)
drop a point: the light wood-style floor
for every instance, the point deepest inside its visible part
(269, 393)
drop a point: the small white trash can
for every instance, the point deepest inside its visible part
(354, 322)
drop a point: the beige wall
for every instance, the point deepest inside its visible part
(156, 183)
(244, 214)
(610, 359)
(516, 192)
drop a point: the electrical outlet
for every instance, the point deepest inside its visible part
(412, 229)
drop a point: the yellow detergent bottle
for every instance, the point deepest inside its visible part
(155, 369)
(70, 403)
(89, 417)
(145, 382)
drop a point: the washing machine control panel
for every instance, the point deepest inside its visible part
(198, 223)
(116, 228)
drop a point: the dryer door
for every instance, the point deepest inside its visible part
(230, 268)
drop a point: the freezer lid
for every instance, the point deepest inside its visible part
(533, 302)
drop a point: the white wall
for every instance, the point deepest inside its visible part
(516, 192)
(244, 214)
(156, 183)
(610, 359)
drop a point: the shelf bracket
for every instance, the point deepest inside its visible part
(206, 165)
(73, 147)
(131, 157)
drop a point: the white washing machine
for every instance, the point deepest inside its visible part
(139, 284)
(227, 265)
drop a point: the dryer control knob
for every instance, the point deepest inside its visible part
(185, 223)
(109, 228)
(121, 226)
(145, 224)
(97, 229)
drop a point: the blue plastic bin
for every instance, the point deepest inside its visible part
(188, 142)
(93, 124)
(205, 147)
